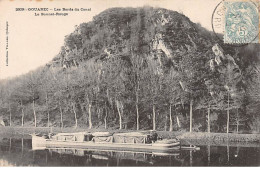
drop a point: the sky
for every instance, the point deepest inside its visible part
(33, 40)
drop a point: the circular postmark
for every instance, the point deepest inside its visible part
(236, 22)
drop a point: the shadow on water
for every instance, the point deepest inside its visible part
(18, 152)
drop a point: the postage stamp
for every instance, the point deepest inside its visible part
(241, 22)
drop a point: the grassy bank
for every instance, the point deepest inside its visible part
(220, 137)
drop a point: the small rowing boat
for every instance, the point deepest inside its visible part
(133, 141)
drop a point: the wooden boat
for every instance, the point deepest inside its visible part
(134, 141)
(191, 147)
(166, 143)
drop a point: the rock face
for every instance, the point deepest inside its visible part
(225, 66)
(165, 37)
(162, 34)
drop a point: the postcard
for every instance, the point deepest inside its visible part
(135, 83)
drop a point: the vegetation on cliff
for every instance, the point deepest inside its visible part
(139, 68)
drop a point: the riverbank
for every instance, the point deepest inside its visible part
(220, 137)
(21, 131)
(215, 138)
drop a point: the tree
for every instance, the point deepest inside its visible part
(152, 88)
(137, 78)
(60, 93)
(228, 91)
(192, 71)
(172, 93)
(29, 91)
(88, 76)
(47, 88)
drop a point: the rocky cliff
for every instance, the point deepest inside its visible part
(165, 37)
(137, 68)
(161, 34)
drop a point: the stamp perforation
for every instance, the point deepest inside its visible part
(241, 22)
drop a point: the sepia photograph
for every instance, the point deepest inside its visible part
(120, 83)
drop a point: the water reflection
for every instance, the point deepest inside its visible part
(114, 158)
(208, 151)
(18, 152)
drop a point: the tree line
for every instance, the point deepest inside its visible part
(125, 72)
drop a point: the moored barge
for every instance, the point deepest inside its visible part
(132, 141)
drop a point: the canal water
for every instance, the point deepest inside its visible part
(18, 152)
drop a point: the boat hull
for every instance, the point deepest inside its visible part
(165, 146)
(38, 143)
(47, 143)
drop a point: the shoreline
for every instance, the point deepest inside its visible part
(220, 137)
(194, 137)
